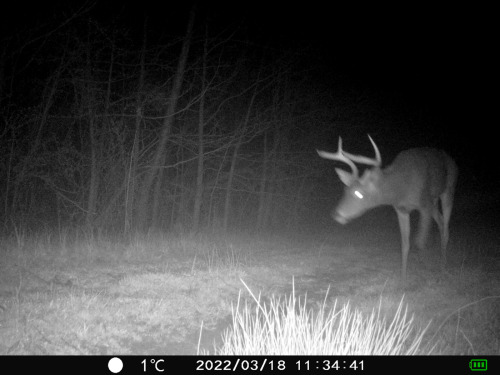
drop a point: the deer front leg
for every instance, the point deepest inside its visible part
(404, 226)
(424, 226)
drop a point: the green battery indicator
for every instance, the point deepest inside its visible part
(478, 364)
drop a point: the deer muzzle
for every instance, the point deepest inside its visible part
(339, 218)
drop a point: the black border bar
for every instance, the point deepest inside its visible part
(162, 364)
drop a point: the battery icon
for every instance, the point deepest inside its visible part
(478, 364)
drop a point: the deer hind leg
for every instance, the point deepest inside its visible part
(446, 205)
(439, 218)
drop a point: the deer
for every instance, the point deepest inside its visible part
(418, 179)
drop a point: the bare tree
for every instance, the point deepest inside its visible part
(150, 189)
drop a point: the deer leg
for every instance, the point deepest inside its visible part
(438, 217)
(446, 205)
(424, 226)
(404, 226)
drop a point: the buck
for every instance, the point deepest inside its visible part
(417, 179)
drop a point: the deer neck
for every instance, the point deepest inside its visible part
(392, 187)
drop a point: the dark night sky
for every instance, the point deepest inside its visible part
(435, 61)
(431, 60)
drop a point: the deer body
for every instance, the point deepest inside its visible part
(417, 179)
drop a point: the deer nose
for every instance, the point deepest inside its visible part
(339, 218)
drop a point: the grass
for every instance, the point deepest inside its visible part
(73, 293)
(289, 327)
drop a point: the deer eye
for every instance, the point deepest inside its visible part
(358, 194)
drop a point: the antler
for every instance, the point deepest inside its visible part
(377, 162)
(340, 156)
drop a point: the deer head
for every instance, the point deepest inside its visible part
(361, 193)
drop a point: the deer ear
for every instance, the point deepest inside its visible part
(345, 177)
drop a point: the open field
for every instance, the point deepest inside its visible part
(155, 294)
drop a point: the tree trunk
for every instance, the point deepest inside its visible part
(201, 123)
(156, 170)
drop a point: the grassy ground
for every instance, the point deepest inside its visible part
(179, 294)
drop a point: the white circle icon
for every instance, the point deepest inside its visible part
(115, 365)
